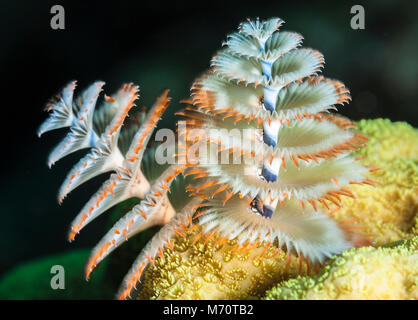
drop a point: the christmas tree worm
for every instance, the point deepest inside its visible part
(279, 182)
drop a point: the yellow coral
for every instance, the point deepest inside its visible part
(388, 140)
(393, 147)
(390, 209)
(197, 271)
(389, 212)
(364, 273)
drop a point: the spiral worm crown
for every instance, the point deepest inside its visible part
(288, 171)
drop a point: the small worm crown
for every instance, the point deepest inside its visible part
(285, 178)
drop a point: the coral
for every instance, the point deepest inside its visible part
(384, 137)
(277, 185)
(398, 161)
(388, 272)
(199, 271)
(390, 210)
(389, 213)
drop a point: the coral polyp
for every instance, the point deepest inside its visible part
(275, 186)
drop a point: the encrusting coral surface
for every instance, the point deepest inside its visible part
(198, 271)
(384, 273)
(390, 210)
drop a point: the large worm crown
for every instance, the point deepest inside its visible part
(262, 80)
(285, 177)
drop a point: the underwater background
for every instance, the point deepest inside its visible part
(156, 45)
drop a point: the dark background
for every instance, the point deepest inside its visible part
(162, 44)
